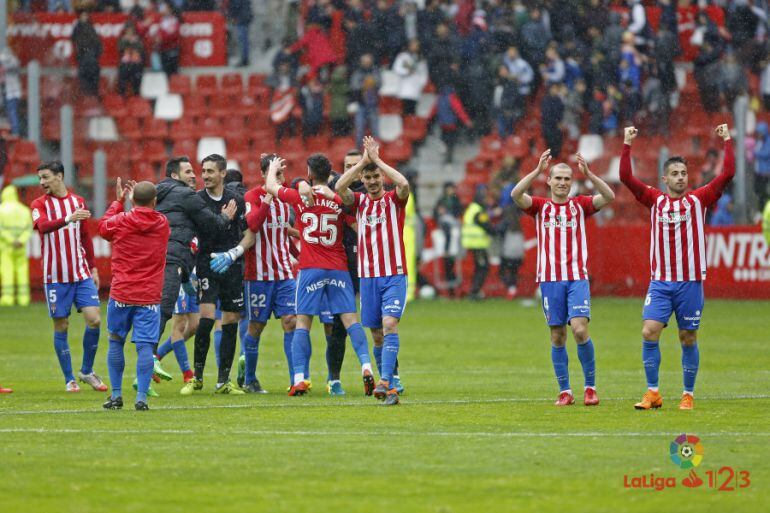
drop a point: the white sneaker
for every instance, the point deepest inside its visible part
(94, 380)
(72, 386)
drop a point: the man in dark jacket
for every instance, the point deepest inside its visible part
(188, 216)
(240, 15)
(88, 50)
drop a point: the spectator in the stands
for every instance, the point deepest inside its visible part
(596, 111)
(11, 86)
(412, 70)
(552, 69)
(764, 83)
(552, 115)
(200, 5)
(656, 103)
(708, 75)
(508, 228)
(611, 110)
(519, 70)
(631, 102)
(637, 23)
(240, 15)
(665, 51)
(338, 88)
(312, 103)
(762, 165)
(317, 49)
(449, 112)
(747, 24)
(507, 102)
(109, 6)
(411, 23)
(88, 50)
(170, 39)
(447, 214)
(535, 36)
(285, 55)
(283, 101)
(357, 38)
(574, 107)
(705, 31)
(723, 212)
(387, 35)
(428, 20)
(131, 65)
(59, 5)
(733, 80)
(612, 39)
(443, 52)
(365, 85)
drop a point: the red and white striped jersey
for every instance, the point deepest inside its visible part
(380, 235)
(270, 258)
(68, 252)
(562, 247)
(677, 236)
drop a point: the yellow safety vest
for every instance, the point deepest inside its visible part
(473, 235)
(15, 219)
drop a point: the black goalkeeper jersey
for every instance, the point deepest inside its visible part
(228, 238)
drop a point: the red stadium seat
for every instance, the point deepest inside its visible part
(183, 128)
(257, 89)
(24, 152)
(154, 152)
(143, 171)
(180, 84)
(188, 147)
(232, 84)
(206, 85)
(210, 127)
(238, 149)
(128, 128)
(114, 105)
(139, 107)
(155, 129)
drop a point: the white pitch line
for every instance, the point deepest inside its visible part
(333, 403)
(447, 434)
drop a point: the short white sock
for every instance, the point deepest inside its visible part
(569, 391)
(652, 389)
(299, 376)
(219, 385)
(592, 388)
(334, 381)
(366, 367)
(689, 392)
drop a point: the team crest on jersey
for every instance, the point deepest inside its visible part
(573, 210)
(35, 215)
(686, 203)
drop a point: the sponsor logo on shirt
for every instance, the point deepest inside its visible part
(374, 220)
(560, 221)
(674, 218)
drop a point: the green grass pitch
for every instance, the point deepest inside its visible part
(477, 430)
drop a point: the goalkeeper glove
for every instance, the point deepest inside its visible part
(191, 287)
(221, 262)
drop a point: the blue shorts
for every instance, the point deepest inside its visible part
(144, 319)
(380, 297)
(683, 297)
(563, 300)
(265, 298)
(186, 304)
(314, 286)
(60, 297)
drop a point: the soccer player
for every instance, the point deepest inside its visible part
(677, 261)
(188, 217)
(562, 270)
(139, 238)
(69, 271)
(184, 324)
(269, 279)
(323, 275)
(381, 262)
(226, 287)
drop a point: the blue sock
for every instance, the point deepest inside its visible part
(143, 369)
(308, 354)
(251, 345)
(165, 348)
(288, 336)
(180, 351)
(62, 348)
(300, 346)
(377, 350)
(360, 343)
(90, 345)
(585, 353)
(390, 348)
(690, 362)
(328, 358)
(116, 363)
(651, 360)
(561, 366)
(243, 329)
(217, 343)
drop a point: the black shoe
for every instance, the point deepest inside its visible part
(113, 404)
(254, 388)
(141, 406)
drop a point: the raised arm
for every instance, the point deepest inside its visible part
(372, 149)
(519, 193)
(256, 218)
(272, 185)
(713, 190)
(639, 189)
(606, 195)
(348, 177)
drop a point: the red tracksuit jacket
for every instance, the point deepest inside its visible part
(139, 239)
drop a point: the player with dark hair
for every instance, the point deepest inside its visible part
(562, 265)
(227, 287)
(138, 238)
(268, 280)
(69, 270)
(382, 264)
(187, 216)
(323, 276)
(677, 261)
